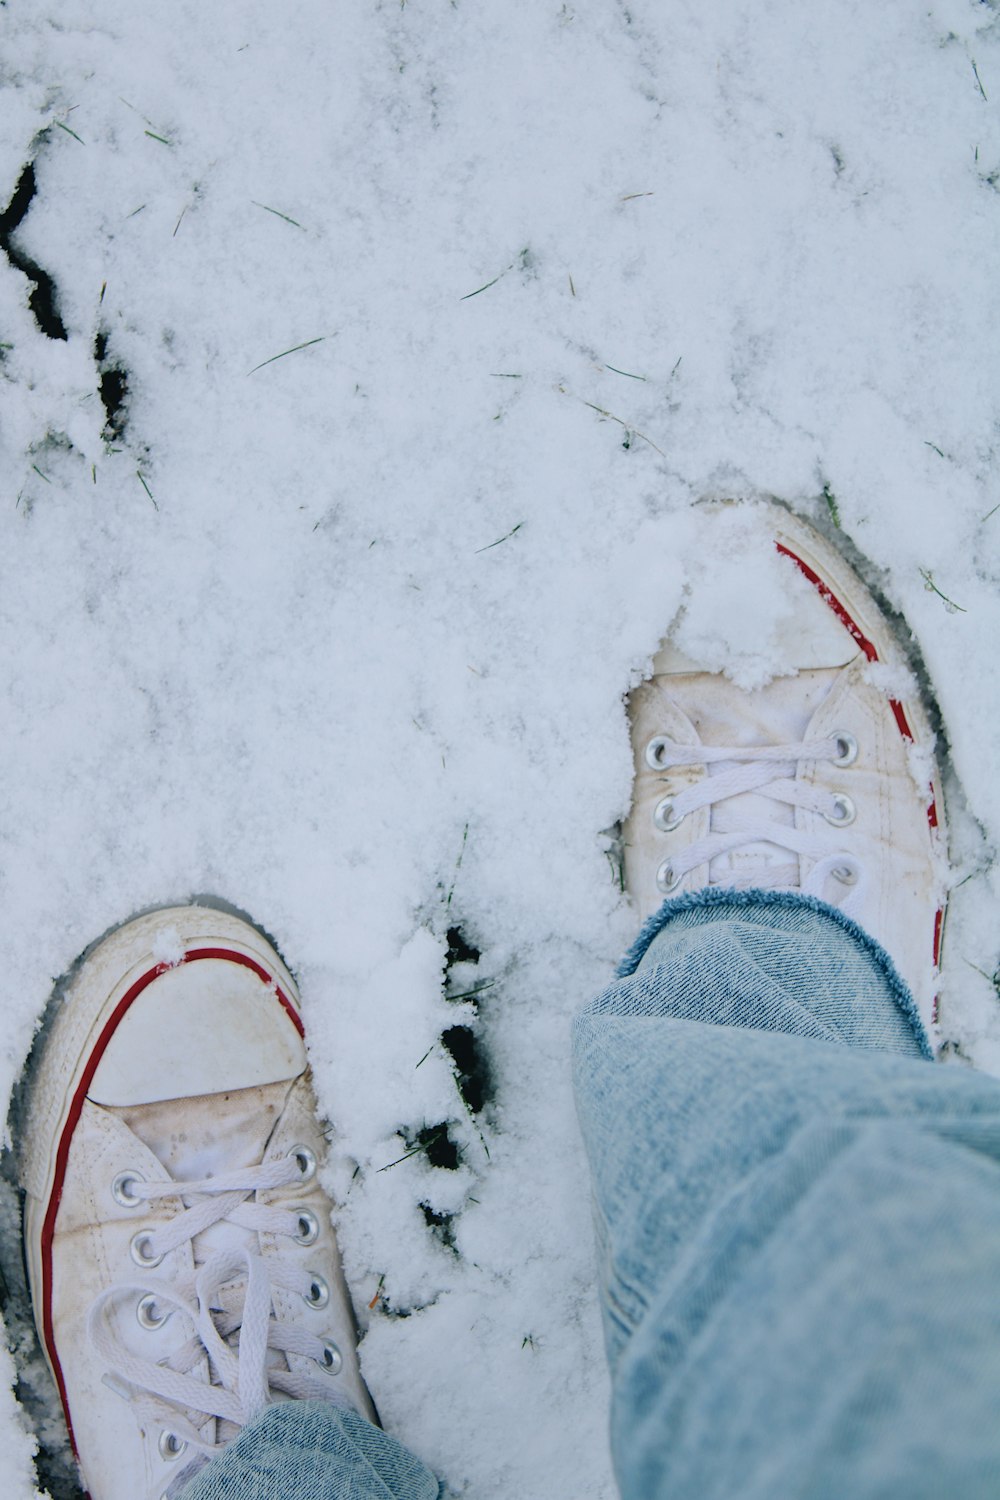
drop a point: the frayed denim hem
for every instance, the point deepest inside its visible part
(720, 896)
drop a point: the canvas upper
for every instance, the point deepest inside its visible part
(183, 1267)
(821, 779)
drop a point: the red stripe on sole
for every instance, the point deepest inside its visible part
(938, 935)
(898, 711)
(902, 723)
(867, 646)
(76, 1109)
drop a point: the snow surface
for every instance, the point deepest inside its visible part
(343, 637)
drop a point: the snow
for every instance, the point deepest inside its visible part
(344, 640)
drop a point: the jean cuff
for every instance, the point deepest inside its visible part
(717, 901)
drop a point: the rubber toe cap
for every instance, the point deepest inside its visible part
(204, 1027)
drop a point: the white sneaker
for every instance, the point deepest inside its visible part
(822, 780)
(183, 1270)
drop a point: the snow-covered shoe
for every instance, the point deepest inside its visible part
(821, 779)
(183, 1270)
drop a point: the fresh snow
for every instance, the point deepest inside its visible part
(342, 636)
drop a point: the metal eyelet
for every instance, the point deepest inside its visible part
(842, 811)
(147, 1262)
(308, 1232)
(333, 1360)
(171, 1446)
(847, 746)
(847, 874)
(146, 1315)
(654, 752)
(306, 1159)
(120, 1186)
(318, 1294)
(666, 880)
(663, 816)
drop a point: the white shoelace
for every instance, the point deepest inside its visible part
(767, 771)
(223, 1370)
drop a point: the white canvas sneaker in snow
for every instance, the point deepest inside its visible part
(183, 1269)
(821, 780)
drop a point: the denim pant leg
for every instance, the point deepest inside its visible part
(310, 1450)
(798, 1217)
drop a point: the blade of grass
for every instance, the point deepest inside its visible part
(615, 371)
(277, 214)
(154, 137)
(415, 1152)
(135, 111)
(145, 486)
(612, 418)
(441, 1130)
(487, 984)
(155, 134)
(500, 539)
(482, 288)
(285, 352)
(978, 79)
(933, 588)
(458, 866)
(525, 260)
(472, 1119)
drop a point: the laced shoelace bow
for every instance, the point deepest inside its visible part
(768, 771)
(228, 1303)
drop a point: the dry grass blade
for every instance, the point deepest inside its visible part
(610, 416)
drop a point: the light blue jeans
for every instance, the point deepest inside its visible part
(798, 1224)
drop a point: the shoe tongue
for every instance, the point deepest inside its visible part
(207, 1136)
(758, 862)
(778, 714)
(210, 1134)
